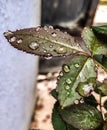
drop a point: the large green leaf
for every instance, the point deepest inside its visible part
(43, 41)
(58, 122)
(95, 46)
(82, 116)
(79, 69)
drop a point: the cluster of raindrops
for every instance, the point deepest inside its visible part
(12, 38)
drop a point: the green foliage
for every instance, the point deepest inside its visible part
(81, 69)
(82, 116)
(77, 84)
(58, 122)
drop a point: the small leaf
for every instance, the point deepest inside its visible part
(100, 32)
(95, 46)
(58, 122)
(43, 41)
(79, 69)
(82, 116)
(54, 93)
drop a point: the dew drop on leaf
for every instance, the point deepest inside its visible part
(45, 28)
(19, 41)
(12, 39)
(54, 34)
(76, 101)
(61, 74)
(68, 81)
(48, 56)
(50, 27)
(68, 93)
(38, 28)
(76, 65)
(66, 68)
(34, 45)
(67, 87)
(51, 46)
(61, 50)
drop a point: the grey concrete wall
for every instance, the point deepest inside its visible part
(18, 70)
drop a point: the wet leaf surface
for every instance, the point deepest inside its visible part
(95, 46)
(79, 69)
(43, 41)
(82, 116)
(58, 122)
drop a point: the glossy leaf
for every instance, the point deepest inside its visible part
(57, 121)
(82, 116)
(100, 29)
(79, 69)
(95, 46)
(101, 33)
(43, 41)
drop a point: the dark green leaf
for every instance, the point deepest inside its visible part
(79, 69)
(90, 101)
(54, 93)
(101, 33)
(100, 29)
(43, 41)
(58, 122)
(104, 61)
(95, 46)
(82, 116)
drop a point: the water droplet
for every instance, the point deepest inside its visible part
(76, 101)
(66, 68)
(45, 28)
(19, 41)
(34, 45)
(61, 74)
(68, 93)
(38, 28)
(12, 39)
(45, 51)
(48, 56)
(67, 87)
(50, 27)
(68, 81)
(57, 29)
(51, 46)
(8, 33)
(54, 34)
(82, 100)
(76, 65)
(61, 50)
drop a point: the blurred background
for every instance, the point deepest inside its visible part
(71, 16)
